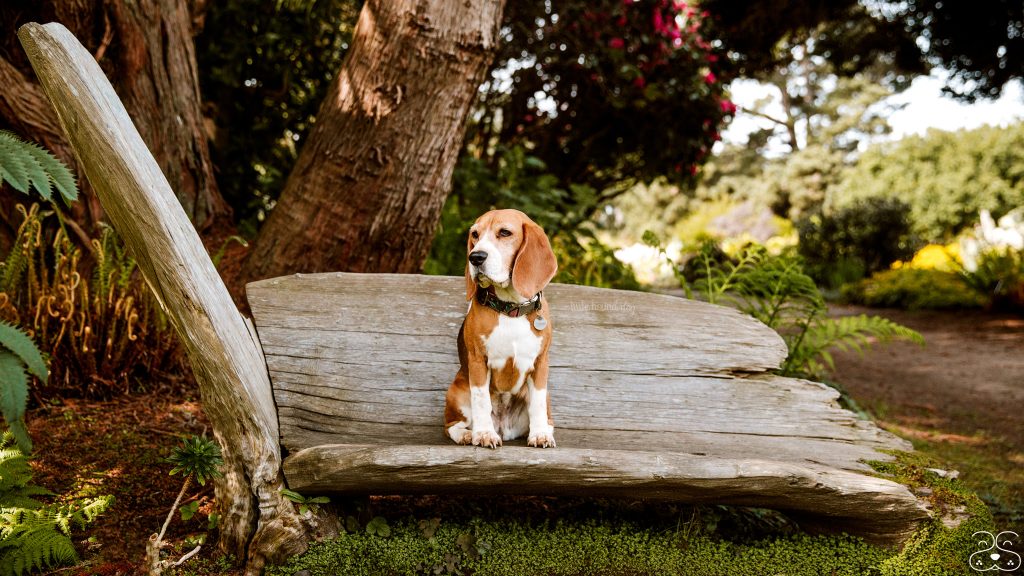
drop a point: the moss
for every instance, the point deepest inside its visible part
(512, 548)
(935, 550)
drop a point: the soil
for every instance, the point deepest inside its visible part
(960, 398)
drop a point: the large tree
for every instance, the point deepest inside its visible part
(146, 49)
(367, 190)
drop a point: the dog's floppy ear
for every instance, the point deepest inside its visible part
(535, 263)
(470, 284)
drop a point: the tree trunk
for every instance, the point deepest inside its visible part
(146, 49)
(367, 190)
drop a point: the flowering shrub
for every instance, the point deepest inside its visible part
(993, 257)
(606, 91)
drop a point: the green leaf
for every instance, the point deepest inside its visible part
(58, 173)
(212, 521)
(14, 397)
(378, 527)
(13, 162)
(18, 342)
(293, 496)
(189, 510)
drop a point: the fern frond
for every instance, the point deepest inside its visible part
(14, 397)
(25, 166)
(17, 341)
(812, 356)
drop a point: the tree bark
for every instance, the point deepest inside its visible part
(367, 190)
(146, 49)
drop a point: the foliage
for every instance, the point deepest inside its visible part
(24, 166)
(945, 177)
(505, 547)
(17, 353)
(913, 289)
(306, 503)
(100, 326)
(197, 457)
(867, 236)
(605, 93)
(993, 258)
(776, 291)
(263, 72)
(981, 45)
(522, 182)
(34, 535)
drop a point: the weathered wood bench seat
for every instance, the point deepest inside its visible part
(653, 396)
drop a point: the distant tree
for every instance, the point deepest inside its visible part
(946, 177)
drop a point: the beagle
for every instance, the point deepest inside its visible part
(500, 392)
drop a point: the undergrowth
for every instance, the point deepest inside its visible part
(513, 548)
(35, 535)
(91, 313)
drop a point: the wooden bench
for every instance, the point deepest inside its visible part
(340, 386)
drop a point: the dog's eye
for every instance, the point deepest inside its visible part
(503, 233)
(474, 234)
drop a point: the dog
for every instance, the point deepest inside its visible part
(501, 389)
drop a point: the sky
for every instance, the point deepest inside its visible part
(925, 108)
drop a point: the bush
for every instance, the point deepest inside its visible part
(945, 177)
(98, 322)
(913, 289)
(521, 181)
(993, 258)
(845, 244)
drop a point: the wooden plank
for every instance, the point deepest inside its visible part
(877, 509)
(228, 362)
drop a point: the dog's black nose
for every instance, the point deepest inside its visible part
(477, 258)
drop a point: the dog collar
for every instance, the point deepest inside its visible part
(487, 297)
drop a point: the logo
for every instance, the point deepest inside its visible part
(995, 553)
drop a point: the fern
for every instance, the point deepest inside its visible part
(17, 352)
(34, 535)
(776, 291)
(25, 166)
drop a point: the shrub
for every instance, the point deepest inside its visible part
(843, 245)
(98, 322)
(776, 291)
(912, 289)
(32, 534)
(521, 181)
(993, 258)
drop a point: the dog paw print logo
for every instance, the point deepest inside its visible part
(996, 553)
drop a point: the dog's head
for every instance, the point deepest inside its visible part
(507, 249)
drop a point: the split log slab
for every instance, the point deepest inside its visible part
(652, 396)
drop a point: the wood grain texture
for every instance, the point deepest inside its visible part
(227, 360)
(652, 396)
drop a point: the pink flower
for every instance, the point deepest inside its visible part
(712, 57)
(659, 22)
(710, 78)
(639, 82)
(621, 21)
(728, 106)
(616, 43)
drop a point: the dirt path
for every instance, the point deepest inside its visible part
(961, 397)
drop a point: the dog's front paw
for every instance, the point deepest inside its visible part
(486, 438)
(544, 439)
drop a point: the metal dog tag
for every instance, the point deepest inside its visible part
(540, 323)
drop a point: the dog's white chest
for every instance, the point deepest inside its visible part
(512, 338)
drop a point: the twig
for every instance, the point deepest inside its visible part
(185, 558)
